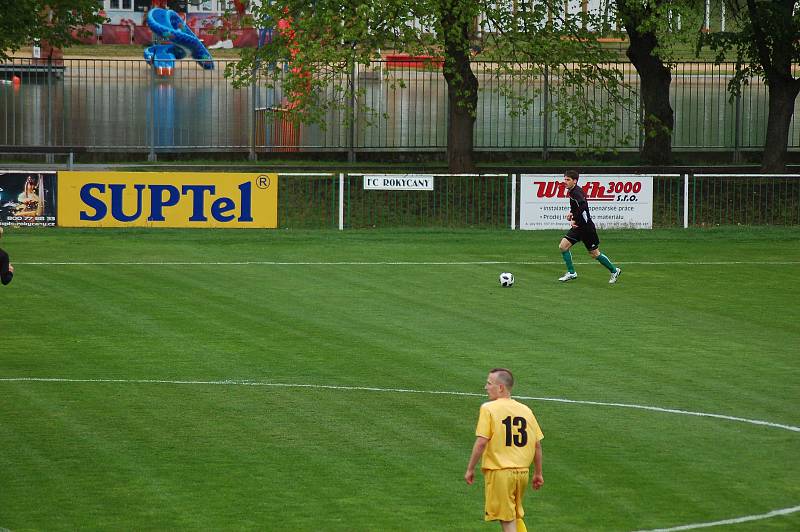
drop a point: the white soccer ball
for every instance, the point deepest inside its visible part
(506, 279)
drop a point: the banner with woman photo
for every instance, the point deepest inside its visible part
(27, 198)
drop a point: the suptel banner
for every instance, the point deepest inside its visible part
(615, 201)
(167, 199)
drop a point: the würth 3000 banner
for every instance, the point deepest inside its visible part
(616, 201)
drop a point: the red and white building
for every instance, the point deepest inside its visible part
(126, 21)
(124, 10)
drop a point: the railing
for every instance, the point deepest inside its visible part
(334, 200)
(743, 200)
(329, 201)
(120, 105)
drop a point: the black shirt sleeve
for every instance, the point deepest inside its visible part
(579, 206)
(5, 273)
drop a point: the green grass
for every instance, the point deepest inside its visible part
(110, 51)
(679, 331)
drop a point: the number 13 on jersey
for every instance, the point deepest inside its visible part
(516, 431)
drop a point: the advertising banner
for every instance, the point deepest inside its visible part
(398, 182)
(615, 201)
(28, 198)
(167, 199)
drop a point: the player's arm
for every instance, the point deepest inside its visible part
(538, 479)
(477, 452)
(584, 218)
(6, 276)
(580, 217)
(6, 269)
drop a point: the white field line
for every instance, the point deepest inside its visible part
(735, 521)
(692, 526)
(405, 263)
(403, 390)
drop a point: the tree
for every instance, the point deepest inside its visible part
(653, 30)
(766, 41)
(455, 21)
(25, 21)
(542, 40)
(527, 39)
(655, 76)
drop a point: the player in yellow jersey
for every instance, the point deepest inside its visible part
(508, 439)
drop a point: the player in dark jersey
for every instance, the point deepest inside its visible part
(582, 229)
(6, 269)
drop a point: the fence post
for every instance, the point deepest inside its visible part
(513, 200)
(65, 105)
(253, 105)
(546, 114)
(685, 201)
(50, 157)
(640, 129)
(351, 151)
(341, 201)
(737, 130)
(152, 97)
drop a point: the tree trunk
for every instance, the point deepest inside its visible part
(462, 92)
(462, 100)
(655, 80)
(775, 39)
(782, 94)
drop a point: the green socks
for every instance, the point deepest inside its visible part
(568, 259)
(602, 259)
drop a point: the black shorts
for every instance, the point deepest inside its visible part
(586, 234)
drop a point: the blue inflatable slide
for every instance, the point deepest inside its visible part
(169, 26)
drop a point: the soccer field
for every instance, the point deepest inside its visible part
(323, 380)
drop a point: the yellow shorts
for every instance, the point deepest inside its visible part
(504, 491)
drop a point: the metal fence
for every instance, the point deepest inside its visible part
(314, 201)
(120, 105)
(328, 201)
(743, 200)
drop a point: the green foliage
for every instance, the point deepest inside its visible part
(657, 29)
(765, 40)
(329, 36)
(676, 24)
(53, 21)
(655, 127)
(318, 46)
(541, 40)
